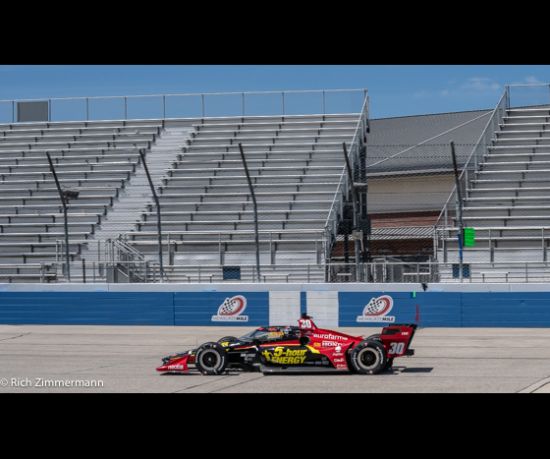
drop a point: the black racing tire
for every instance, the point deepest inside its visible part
(389, 362)
(211, 359)
(228, 339)
(368, 358)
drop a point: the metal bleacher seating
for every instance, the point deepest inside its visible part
(295, 163)
(507, 199)
(95, 158)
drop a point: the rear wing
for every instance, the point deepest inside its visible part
(397, 339)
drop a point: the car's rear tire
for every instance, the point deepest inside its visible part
(378, 337)
(368, 357)
(211, 359)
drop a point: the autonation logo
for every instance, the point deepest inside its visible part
(231, 310)
(377, 310)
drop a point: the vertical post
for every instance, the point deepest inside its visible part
(323, 105)
(66, 223)
(543, 247)
(49, 109)
(202, 105)
(84, 270)
(164, 106)
(87, 108)
(354, 204)
(283, 99)
(243, 105)
(459, 212)
(157, 205)
(13, 111)
(256, 235)
(125, 107)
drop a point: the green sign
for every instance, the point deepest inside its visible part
(469, 237)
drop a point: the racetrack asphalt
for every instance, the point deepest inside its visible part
(33, 358)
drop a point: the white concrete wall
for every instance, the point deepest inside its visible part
(284, 307)
(323, 307)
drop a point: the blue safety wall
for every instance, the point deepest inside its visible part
(504, 305)
(197, 308)
(127, 308)
(432, 309)
(453, 309)
(114, 308)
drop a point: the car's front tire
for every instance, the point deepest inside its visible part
(368, 357)
(211, 359)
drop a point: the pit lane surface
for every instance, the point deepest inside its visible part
(124, 360)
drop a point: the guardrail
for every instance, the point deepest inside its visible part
(373, 272)
(194, 105)
(528, 94)
(490, 237)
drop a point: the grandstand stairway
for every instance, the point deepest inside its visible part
(507, 201)
(127, 209)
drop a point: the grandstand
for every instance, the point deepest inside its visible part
(295, 156)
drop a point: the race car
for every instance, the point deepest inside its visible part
(305, 348)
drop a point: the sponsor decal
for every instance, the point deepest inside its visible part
(285, 356)
(231, 309)
(274, 335)
(329, 336)
(177, 366)
(376, 310)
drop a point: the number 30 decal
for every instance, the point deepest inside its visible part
(397, 348)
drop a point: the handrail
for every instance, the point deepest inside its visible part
(343, 176)
(120, 244)
(513, 85)
(229, 93)
(504, 98)
(197, 106)
(546, 96)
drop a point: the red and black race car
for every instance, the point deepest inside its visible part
(297, 349)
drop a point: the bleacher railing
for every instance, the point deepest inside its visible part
(194, 105)
(343, 191)
(377, 271)
(445, 224)
(528, 94)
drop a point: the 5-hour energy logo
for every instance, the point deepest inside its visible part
(285, 356)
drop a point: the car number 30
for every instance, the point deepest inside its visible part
(396, 348)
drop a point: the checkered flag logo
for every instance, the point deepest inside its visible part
(378, 306)
(232, 306)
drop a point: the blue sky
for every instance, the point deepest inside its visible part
(394, 90)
